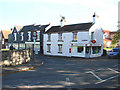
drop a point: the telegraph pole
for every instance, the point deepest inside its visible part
(1, 59)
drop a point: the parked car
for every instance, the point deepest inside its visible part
(115, 53)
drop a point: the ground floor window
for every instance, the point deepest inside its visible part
(99, 49)
(80, 49)
(22, 46)
(96, 49)
(37, 47)
(49, 48)
(15, 45)
(59, 48)
(29, 46)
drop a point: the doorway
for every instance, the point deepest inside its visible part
(88, 51)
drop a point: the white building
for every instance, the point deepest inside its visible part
(79, 40)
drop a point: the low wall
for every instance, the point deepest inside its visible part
(16, 57)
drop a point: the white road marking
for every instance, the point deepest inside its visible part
(68, 80)
(115, 65)
(113, 70)
(95, 70)
(94, 75)
(42, 62)
(107, 79)
(104, 79)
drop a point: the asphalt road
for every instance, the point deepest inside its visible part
(62, 72)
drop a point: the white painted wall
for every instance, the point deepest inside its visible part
(98, 34)
(67, 38)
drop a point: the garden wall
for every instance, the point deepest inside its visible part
(16, 57)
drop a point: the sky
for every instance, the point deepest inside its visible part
(27, 12)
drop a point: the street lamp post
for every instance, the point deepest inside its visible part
(0, 45)
(0, 59)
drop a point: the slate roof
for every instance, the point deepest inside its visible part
(6, 33)
(70, 28)
(33, 27)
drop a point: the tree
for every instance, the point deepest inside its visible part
(116, 38)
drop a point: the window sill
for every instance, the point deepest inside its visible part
(74, 40)
(48, 40)
(60, 52)
(48, 51)
(38, 40)
(60, 40)
(80, 52)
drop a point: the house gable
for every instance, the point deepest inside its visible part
(5, 33)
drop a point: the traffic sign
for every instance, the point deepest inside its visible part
(34, 37)
(34, 40)
(34, 33)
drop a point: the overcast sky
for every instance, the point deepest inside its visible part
(26, 12)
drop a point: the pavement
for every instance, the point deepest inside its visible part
(23, 67)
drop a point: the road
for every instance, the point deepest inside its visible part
(63, 72)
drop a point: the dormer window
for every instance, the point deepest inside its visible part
(38, 35)
(15, 36)
(49, 37)
(29, 36)
(22, 36)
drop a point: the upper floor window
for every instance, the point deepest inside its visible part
(74, 36)
(49, 37)
(59, 36)
(15, 36)
(38, 35)
(22, 36)
(92, 35)
(29, 36)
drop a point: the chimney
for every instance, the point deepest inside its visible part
(94, 17)
(62, 21)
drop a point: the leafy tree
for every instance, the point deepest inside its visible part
(116, 38)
